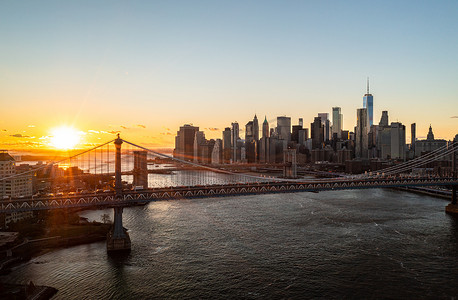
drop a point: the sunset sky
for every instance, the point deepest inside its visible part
(147, 67)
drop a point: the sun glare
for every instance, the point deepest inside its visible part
(64, 138)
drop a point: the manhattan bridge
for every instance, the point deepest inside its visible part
(186, 179)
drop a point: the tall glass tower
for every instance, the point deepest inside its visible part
(368, 102)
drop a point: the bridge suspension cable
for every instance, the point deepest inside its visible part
(55, 162)
(419, 161)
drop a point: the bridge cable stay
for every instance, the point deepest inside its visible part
(202, 166)
(54, 162)
(432, 156)
(415, 161)
(410, 164)
(237, 177)
(443, 151)
(419, 164)
(420, 161)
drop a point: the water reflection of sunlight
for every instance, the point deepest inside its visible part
(158, 209)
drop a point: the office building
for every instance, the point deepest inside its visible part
(234, 138)
(13, 187)
(384, 137)
(255, 128)
(265, 128)
(184, 142)
(317, 133)
(413, 136)
(326, 125)
(368, 103)
(337, 121)
(284, 128)
(428, 145)
(398, 141)
(361, 134)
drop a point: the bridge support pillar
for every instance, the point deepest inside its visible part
(118, 239)
(452, 208)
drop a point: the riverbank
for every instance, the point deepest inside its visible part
(57, 237)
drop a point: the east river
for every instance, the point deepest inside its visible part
(348, 244)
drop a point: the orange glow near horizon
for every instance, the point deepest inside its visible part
(64, 138)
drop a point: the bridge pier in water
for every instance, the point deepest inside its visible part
(452, 208)
(118, 239)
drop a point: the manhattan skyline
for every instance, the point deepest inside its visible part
(147, 68)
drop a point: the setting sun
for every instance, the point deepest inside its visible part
(64, 137)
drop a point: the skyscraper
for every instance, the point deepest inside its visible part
(234, 138)
(337, 120)
(413, 129)
(249, 132)
(398, 141)
(384, 137)
(368, 102)
(284, 128)
(255, 128)
(265, 128)
(184, 142)
(227, 144)
(326, 125)
(361, 142)
(317, 133)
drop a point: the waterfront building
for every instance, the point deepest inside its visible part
(368, 103)
(428, 145)
(13, 187)
(184, 142)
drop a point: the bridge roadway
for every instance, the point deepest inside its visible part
(131, 197)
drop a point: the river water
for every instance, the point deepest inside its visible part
(338, 244)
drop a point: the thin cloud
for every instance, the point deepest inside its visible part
(4, 130)
(31, 126)
(93, 131)
(114, 131)
(454, 117)
(212, 129)
(141, 126)
(124, 127)
(18, 135)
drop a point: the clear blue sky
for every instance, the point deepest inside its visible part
(103, 64)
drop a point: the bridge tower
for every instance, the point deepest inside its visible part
(290, 163)
(140, 169)
(452, 208)
(118, 239)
